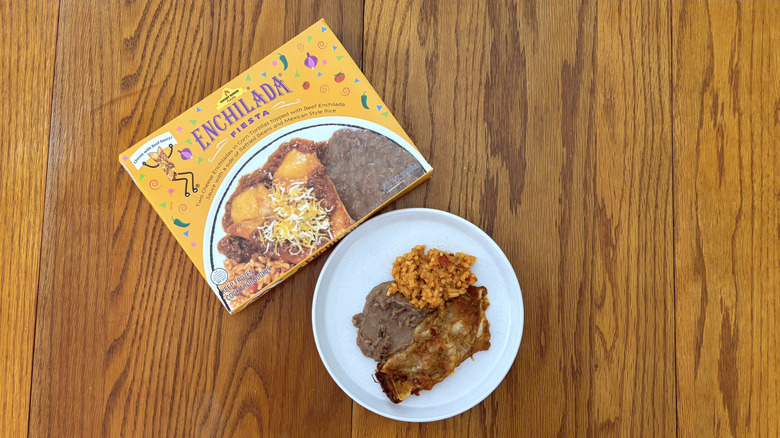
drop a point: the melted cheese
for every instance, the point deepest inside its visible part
(297, 165)
(250, 204)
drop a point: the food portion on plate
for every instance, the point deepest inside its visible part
(442, 341)
(428, 280)
(387, 323)
(425, 323)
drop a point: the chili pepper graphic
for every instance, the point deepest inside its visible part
(283, 60)
(364, 101)
(179, 223)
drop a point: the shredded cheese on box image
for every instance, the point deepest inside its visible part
(300, 219)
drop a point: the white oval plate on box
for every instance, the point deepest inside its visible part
(364, 259)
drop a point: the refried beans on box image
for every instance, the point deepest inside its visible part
(368, 169)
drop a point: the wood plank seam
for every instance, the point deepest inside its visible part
(41, 226)
(43, 221)
(674, 218)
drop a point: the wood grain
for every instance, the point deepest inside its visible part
(131, 340)
(67, 386)
(727, 234)
(549, 126)
(27, 38)
(632, 273)
(623, 155)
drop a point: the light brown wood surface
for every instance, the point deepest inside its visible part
(623, 155)
(27, 36)
(726, 115)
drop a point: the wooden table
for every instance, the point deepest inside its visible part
(625, 156)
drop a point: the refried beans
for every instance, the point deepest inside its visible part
(368, 169)
(387, 323)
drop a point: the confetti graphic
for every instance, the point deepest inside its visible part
(324, 89)
(194, 122)
(300, 47)
(154, 184)
(182, 208)
(163, 205)
(283, 104)
(219, 148)
(321, 44)
(345, 91)
(179, 129)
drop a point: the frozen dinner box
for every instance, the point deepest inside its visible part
(275, 166)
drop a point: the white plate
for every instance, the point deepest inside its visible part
(364, 259)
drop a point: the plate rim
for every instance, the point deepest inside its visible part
(513, 349)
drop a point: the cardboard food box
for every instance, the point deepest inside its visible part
(276, 166)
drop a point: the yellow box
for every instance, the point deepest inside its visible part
(276, 166)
